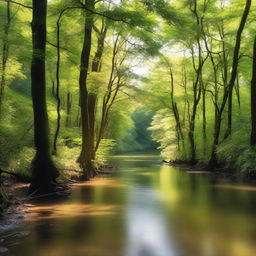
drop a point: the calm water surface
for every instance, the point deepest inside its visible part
(144, 209)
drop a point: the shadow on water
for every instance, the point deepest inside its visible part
(143, 209)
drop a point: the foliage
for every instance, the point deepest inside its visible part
(147, 44)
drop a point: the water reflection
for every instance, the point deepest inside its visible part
(236, 187)
(143, 209)
(68, 211)
(146, 225)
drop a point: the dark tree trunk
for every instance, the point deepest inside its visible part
(44, 172)
(78, 122)
(253, 98)
(204, 116)
(191, 137)
(5, 53)
(230, 109)
(85, 158)
(56, 135)
(237, 89)
(204, 112)
(92, 104)
(53, 89)
(69, 109)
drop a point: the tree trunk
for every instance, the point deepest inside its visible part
(5, 53)
(93, 97)
(69, 108)
(110, 95)
(237, 89)
(197, 84)
(204, 116)
(179, 131)
(53, 89)
(44, 172)
(230, 107)
(253, 98)
(56, 135)
(192, 144)
(85, 158)
(92, 104)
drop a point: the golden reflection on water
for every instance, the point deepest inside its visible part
(69, 210)
(101, 182)
(166, 185)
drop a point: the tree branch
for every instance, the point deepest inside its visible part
(63, 48)
(20, 4)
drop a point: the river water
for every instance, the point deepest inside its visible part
(143, 209)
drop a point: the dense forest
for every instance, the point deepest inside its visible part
(81, 79)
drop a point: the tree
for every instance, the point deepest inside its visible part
(5, 52)
(93, 96)
(231, 84)
(253, 97)
(175, 110)
(87, 110)
(44, 172)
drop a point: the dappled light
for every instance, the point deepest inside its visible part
(69, 211)
(101, 182)
(127, 128)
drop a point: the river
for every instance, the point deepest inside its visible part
(143, 209)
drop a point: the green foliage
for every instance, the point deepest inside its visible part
(70, 149)
(159, 36)
(105, 149)
(22, 162)
(235, 151)
(164, 133)
(138, 137)
(15, 127)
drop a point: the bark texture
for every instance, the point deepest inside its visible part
(44, 172)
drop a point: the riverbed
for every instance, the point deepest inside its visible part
(143, 209)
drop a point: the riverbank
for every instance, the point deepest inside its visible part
(19, 200)
(20, 203)
(222, 172)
